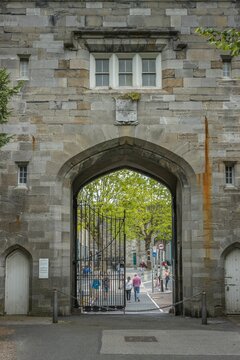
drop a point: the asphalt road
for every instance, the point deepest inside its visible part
(116, 337)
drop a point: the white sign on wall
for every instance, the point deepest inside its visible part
(43, 268)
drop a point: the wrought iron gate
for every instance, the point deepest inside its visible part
(100, 260)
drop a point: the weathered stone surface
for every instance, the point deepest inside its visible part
(184, 133)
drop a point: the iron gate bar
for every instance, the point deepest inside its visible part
(100, 260)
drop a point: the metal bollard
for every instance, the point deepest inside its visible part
(161, 285)
(55, 306)
(204, 308)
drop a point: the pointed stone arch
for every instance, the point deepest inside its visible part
(154, 161)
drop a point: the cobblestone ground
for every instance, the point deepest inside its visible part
(8, 348)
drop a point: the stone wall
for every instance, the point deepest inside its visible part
(189, 127)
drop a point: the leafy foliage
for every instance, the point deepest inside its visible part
(228, 40)
(147, 204)
(6, 93)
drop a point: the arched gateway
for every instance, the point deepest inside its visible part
(159, 163)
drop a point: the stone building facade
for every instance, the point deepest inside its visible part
(108, 85)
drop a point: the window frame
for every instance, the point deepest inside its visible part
(22, 174)
(136, 70)
(229, 174)
(227, 69)
(24, 74)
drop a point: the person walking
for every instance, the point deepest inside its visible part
(167, 277)
(128, 288)
(106, 285)
(136, 286)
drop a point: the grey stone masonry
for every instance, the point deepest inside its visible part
(183, 131)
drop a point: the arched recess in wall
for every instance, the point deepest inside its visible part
(18, 264)
(149, 159)
(231, 265)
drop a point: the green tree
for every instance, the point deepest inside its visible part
(228, 39)
(6, 93)
(147, 204)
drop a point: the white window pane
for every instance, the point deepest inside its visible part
(102, 65)
(102, 72)
(22, 179)
(23, 67)
(145, 65)
(98, 65)
(149, 80)
(106, 65)
(226, 69)
(149, 65)
(105, 80)
(129, 65)
(121, 66)
(102, 80)
(125, 80)
(125, 65)
(152, 67)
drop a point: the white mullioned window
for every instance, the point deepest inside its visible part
(22, 174)
(125, 70)
(229, 174)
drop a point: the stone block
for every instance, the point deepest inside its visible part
(156, 20)
(31, 21)
(44, 64)
(79, 64)
(78, 82)
(168, 73)
(190, 105)
(114, 21)
(199, 54)
(176, 22)
(199, 73)
(174, 12)
(72, 73)
(94, 21)
(140, 11)
(75, 21)
(33, 11)
(69, 105)
(94, 5)
(217, 64)
(83, 105)
(63, 64)
(172, 83)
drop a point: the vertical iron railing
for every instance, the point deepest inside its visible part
(100, 260)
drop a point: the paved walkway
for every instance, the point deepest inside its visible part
(136, 335)
(118, 337)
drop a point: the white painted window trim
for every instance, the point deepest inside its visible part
(114, 70)
(233, 170)
(23, 70)
(227, 69)
(20, 167)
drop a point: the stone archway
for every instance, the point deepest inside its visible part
(154, 161)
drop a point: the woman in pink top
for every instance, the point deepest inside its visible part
(136, 286)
